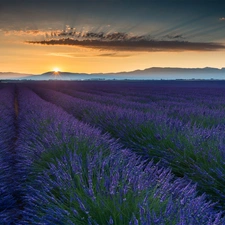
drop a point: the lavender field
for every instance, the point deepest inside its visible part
(112, 152)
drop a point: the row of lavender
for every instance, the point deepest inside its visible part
(189, 150)
(9, 205)
(73, 174)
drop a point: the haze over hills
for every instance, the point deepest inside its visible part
(155, 73)
(12, 75)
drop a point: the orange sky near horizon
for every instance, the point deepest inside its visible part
(37, 59)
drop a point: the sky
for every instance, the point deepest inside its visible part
(100, 36)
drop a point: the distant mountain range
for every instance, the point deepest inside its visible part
(147, 74)
(11, 75)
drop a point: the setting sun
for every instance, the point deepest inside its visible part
(56, 70)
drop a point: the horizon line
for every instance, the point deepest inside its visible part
(158, 67)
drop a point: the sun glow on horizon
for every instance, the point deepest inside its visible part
(56, 70)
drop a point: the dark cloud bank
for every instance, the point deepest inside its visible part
(119, 41)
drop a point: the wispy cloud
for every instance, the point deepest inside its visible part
(114, 54)
(118, 41)
(89, 35)
(75, 55)
(222, 19)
